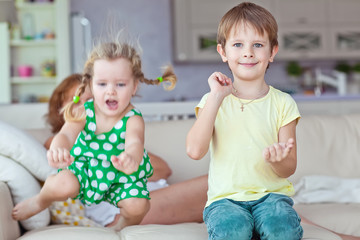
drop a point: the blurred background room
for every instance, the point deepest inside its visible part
(43, 41)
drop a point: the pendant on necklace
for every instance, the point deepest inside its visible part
(242, 107)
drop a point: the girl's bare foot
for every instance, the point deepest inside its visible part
(27, 209)
(117, 224)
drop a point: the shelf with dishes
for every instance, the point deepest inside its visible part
(33, 80)
(32, 43)
(35, 50)
(43, 5)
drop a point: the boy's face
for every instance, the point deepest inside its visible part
(247, 52)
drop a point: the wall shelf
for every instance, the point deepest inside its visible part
(32, 43)
(33, 80)
(45, 43)
(34, 6)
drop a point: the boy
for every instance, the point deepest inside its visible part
(249, 128)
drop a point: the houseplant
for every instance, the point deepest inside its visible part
(343, 67)
(356, 72)
(294, 71)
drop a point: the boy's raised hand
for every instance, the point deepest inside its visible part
(59, 157)
(125, 163)
(220, 83)
(278, 151)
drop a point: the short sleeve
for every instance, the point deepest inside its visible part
(201, 104)
(290, 111)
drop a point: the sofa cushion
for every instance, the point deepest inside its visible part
(63, 232)
(25, 150)
(328, 145)
(167, 139)
(22, 186)
(188, 231)
(197, 231)
(337, 217)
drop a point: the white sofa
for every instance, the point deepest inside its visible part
(327, 145)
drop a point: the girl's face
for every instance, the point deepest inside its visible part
(247, 52)
(113, 86)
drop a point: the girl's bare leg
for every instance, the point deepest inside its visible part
(178, 203)
(132, 211)
(58, 187)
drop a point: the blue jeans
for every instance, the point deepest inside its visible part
(271, 217)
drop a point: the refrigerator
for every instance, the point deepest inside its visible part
(81, 41)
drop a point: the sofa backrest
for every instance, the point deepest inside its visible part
(167, 139)
(328, 145)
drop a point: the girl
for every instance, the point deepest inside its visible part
(107, 162)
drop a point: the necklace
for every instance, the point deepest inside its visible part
(243, 104)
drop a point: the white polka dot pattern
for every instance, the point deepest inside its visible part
(98, 178)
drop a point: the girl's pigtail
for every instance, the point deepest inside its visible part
(168, 79)
(71, 111)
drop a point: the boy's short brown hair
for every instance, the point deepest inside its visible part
(249, 13)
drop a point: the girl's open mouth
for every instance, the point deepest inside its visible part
(112, 104)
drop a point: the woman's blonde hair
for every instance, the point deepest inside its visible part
(114, 50)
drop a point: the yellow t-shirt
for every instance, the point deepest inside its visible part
(237, 169)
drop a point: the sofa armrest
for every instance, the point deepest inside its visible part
(9, 228)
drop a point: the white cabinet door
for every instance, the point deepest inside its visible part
(344, 11)
(345, 42)
(300, 12)
(302, 43)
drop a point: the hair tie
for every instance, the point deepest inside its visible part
(160, 79)
(76, 99)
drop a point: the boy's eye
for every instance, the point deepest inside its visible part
(258, 45)
(237, 44)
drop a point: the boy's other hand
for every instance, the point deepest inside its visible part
(278, 151)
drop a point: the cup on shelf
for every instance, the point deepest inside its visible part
(25, 71)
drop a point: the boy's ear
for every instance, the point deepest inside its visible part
(273, 53)
(221, 51)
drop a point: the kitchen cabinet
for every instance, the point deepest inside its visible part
(318, 29)
(308, 29)
(41, 45)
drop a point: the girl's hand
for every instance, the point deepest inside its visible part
(278, 151)
(220, 83)
(125, 163)
(59, 158)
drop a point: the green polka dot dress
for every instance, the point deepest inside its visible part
(99, 179)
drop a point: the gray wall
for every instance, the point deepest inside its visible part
(151, 21)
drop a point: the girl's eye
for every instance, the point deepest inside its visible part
(102, 84)
(258, 45)
(121, 84)
(237, 44)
